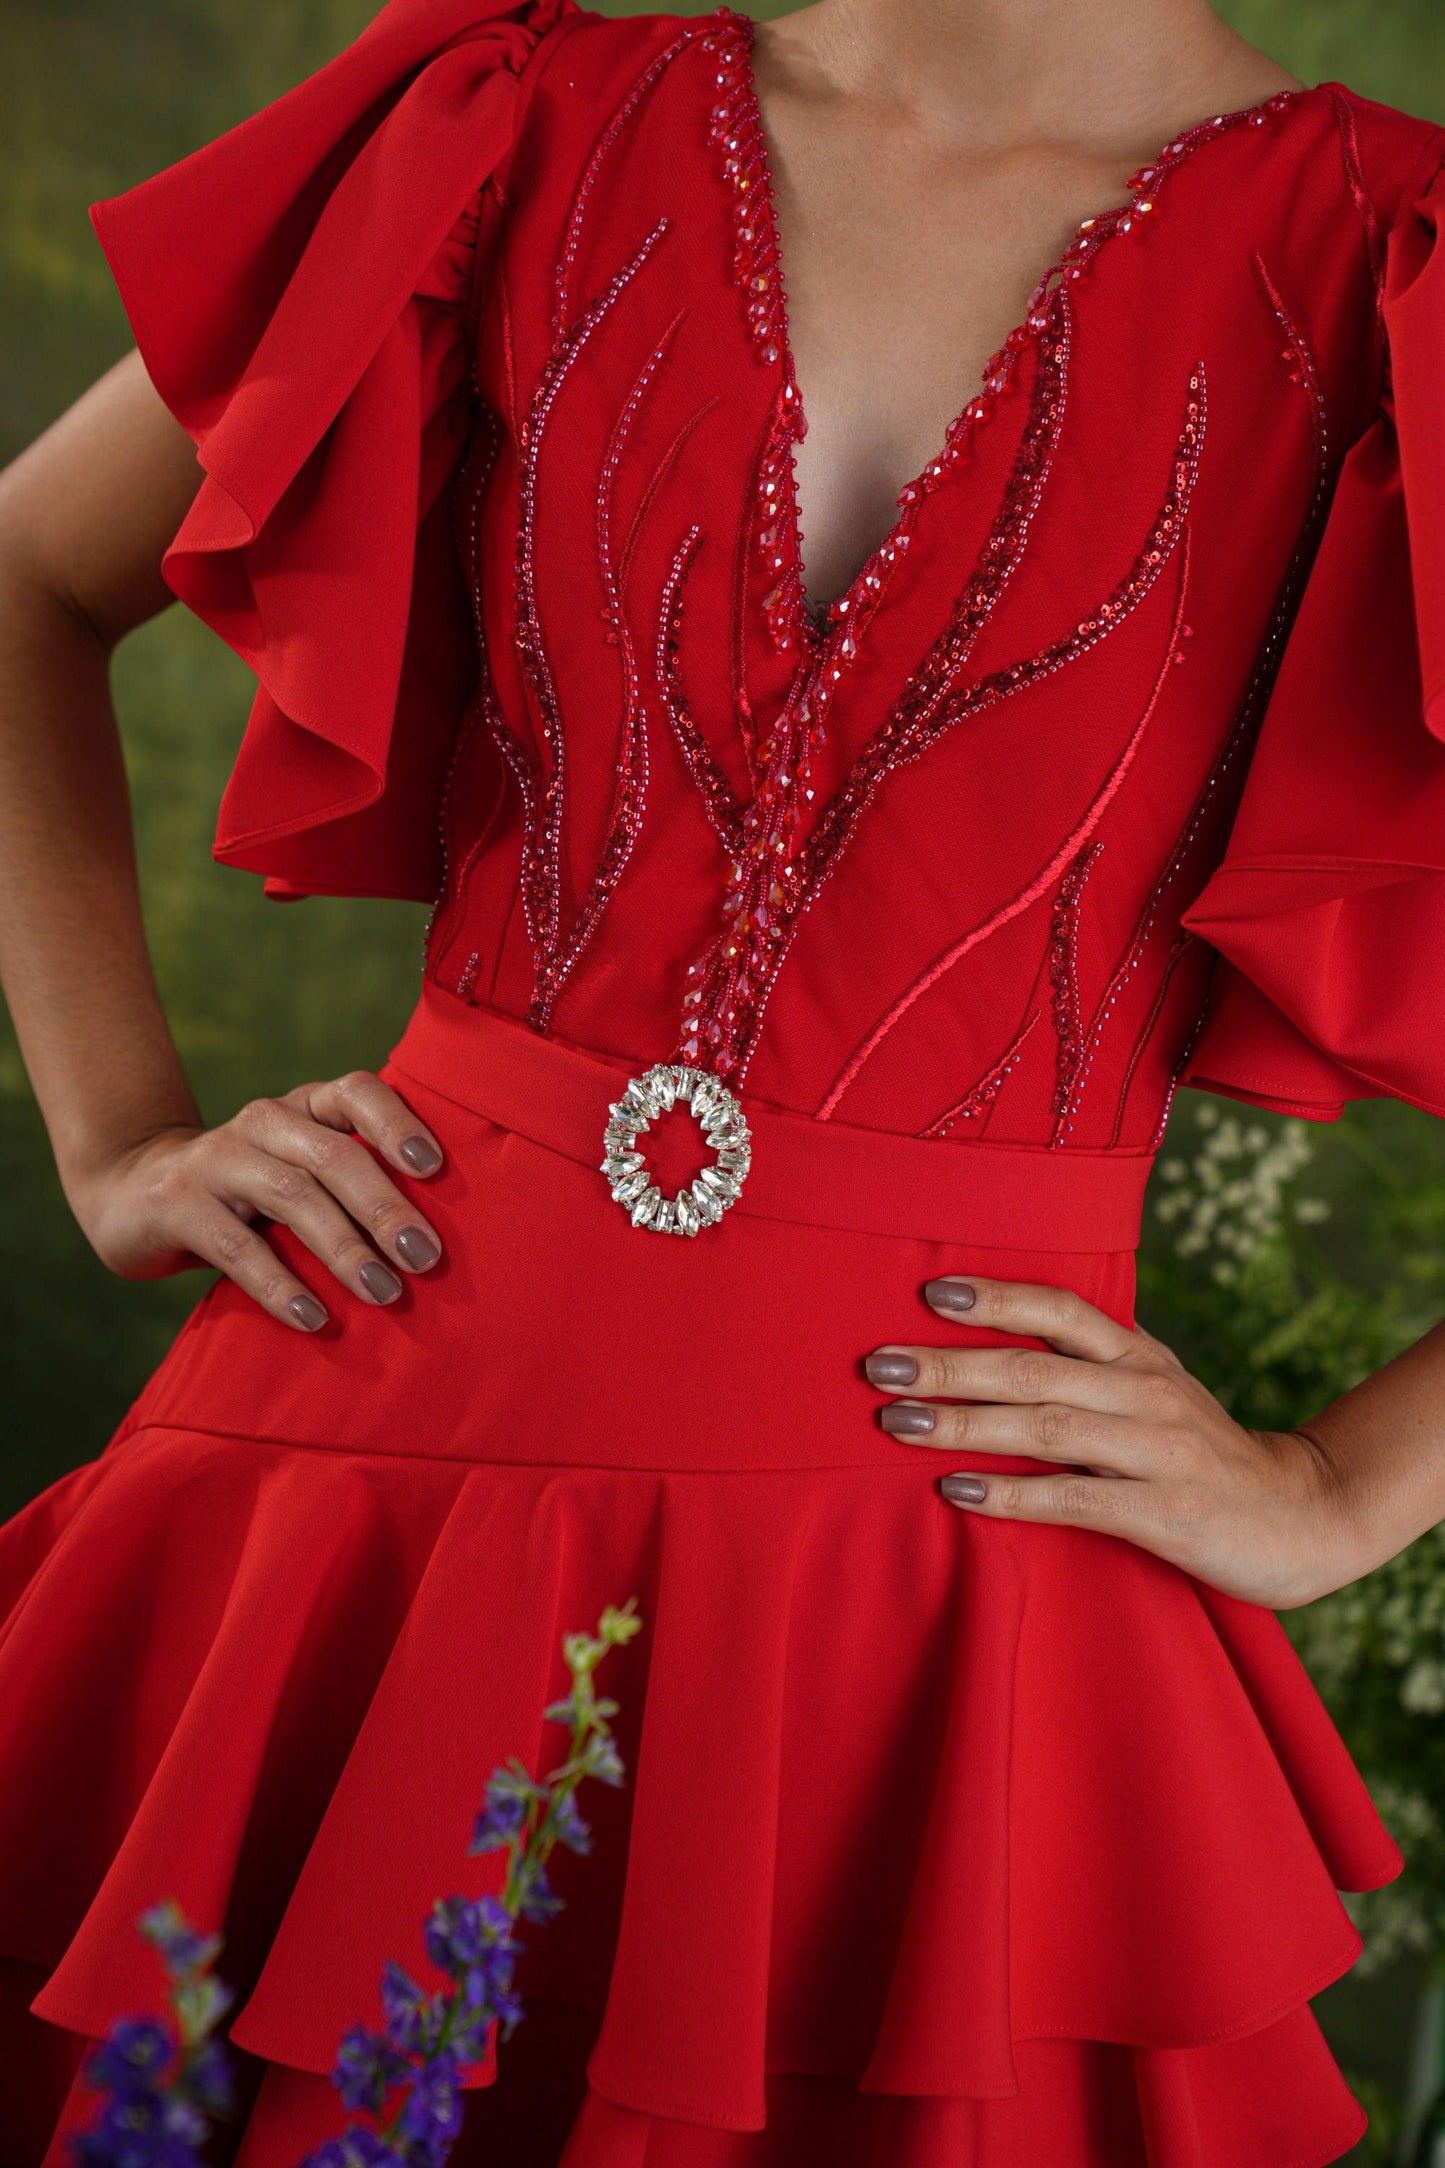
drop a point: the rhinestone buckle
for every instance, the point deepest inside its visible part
(724, 1128)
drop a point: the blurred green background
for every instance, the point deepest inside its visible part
(1281, 1265)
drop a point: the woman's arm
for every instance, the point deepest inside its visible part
(1148, 1453)
(85, 517)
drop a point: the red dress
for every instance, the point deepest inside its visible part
(946, 1841)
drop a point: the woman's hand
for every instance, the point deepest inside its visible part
(187, 1196)
(1145, 1451)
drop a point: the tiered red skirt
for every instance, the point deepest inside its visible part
(947, 1843)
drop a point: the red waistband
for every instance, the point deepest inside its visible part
(819, 1174)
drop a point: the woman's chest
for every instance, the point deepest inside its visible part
(1033, 688)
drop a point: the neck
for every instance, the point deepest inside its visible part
(992, 70)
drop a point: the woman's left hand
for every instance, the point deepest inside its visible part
(1146, 1451)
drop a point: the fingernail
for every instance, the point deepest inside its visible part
(418, 1249)
(950, 1295)
(964, 1490)
(885, 1368)
(307, 1311)
(420, 1154)
(380, 1282)
(907, 1419)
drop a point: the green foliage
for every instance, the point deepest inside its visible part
(1284, 1266)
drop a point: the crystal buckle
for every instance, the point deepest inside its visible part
(724, 1128)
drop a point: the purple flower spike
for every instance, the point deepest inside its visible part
(367, 2067)
(210, 2080)
(409, 2079)
(504, 1812)
(182, 1948)
(433, 2115)
(462, 1934)
(134, 2059)
(539, 1900)
(135, 2133)
(357, 2149)
(568, 1825)
(605, 1763)
(412, 2016)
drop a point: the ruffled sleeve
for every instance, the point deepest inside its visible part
(299, 291)
(1329, 906)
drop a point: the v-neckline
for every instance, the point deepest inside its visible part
(819, 628)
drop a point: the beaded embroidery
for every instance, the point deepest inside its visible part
(1179, 948)
(774, 874)
(1045, 877)
(931, 703)
(776, 865)
(555, 954)
(978, 1100)
(736, 128)
(1303, 371)
(567, 257)
(1063, 976)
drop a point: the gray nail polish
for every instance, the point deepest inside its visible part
(418, 1249)
(950, 1294)
(888, 1369)
(964, 1490)
(380, 1282)
(307, 1311)
(420, 1154)
(908, 1419)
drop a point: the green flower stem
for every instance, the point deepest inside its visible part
(533, 1845)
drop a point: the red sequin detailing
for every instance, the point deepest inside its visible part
(1303, 371)
(1369, 217)
(736, 127)
(979, 1099)
(475, 482)
(1063, 977)
(1179, 948)
(717, 794)
(543, 798)
(567, 257)
(928, 708)
(1043, 880)
(774, 875)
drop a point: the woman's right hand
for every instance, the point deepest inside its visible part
(186, 1197)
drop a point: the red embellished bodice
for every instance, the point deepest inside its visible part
(1115, 765)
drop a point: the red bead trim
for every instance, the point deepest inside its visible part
(736, 127)
(1304, 371)
(978, 1101)
(1168, 535)
(1063, 977)
(543, 796)
(567, 256)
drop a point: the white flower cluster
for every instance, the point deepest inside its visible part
(1230, 1197)
(1395, 1617)
(1389, 1630)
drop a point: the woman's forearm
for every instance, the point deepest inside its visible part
(84, 518)
(1385, 1444)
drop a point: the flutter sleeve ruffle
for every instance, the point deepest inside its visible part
(299, 292)
(1328, 909)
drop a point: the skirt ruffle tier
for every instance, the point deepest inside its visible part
(945, 1841)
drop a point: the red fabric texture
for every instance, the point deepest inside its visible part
(896, 1820)
(1330, 899)
(945, 1840)
(315, 352)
